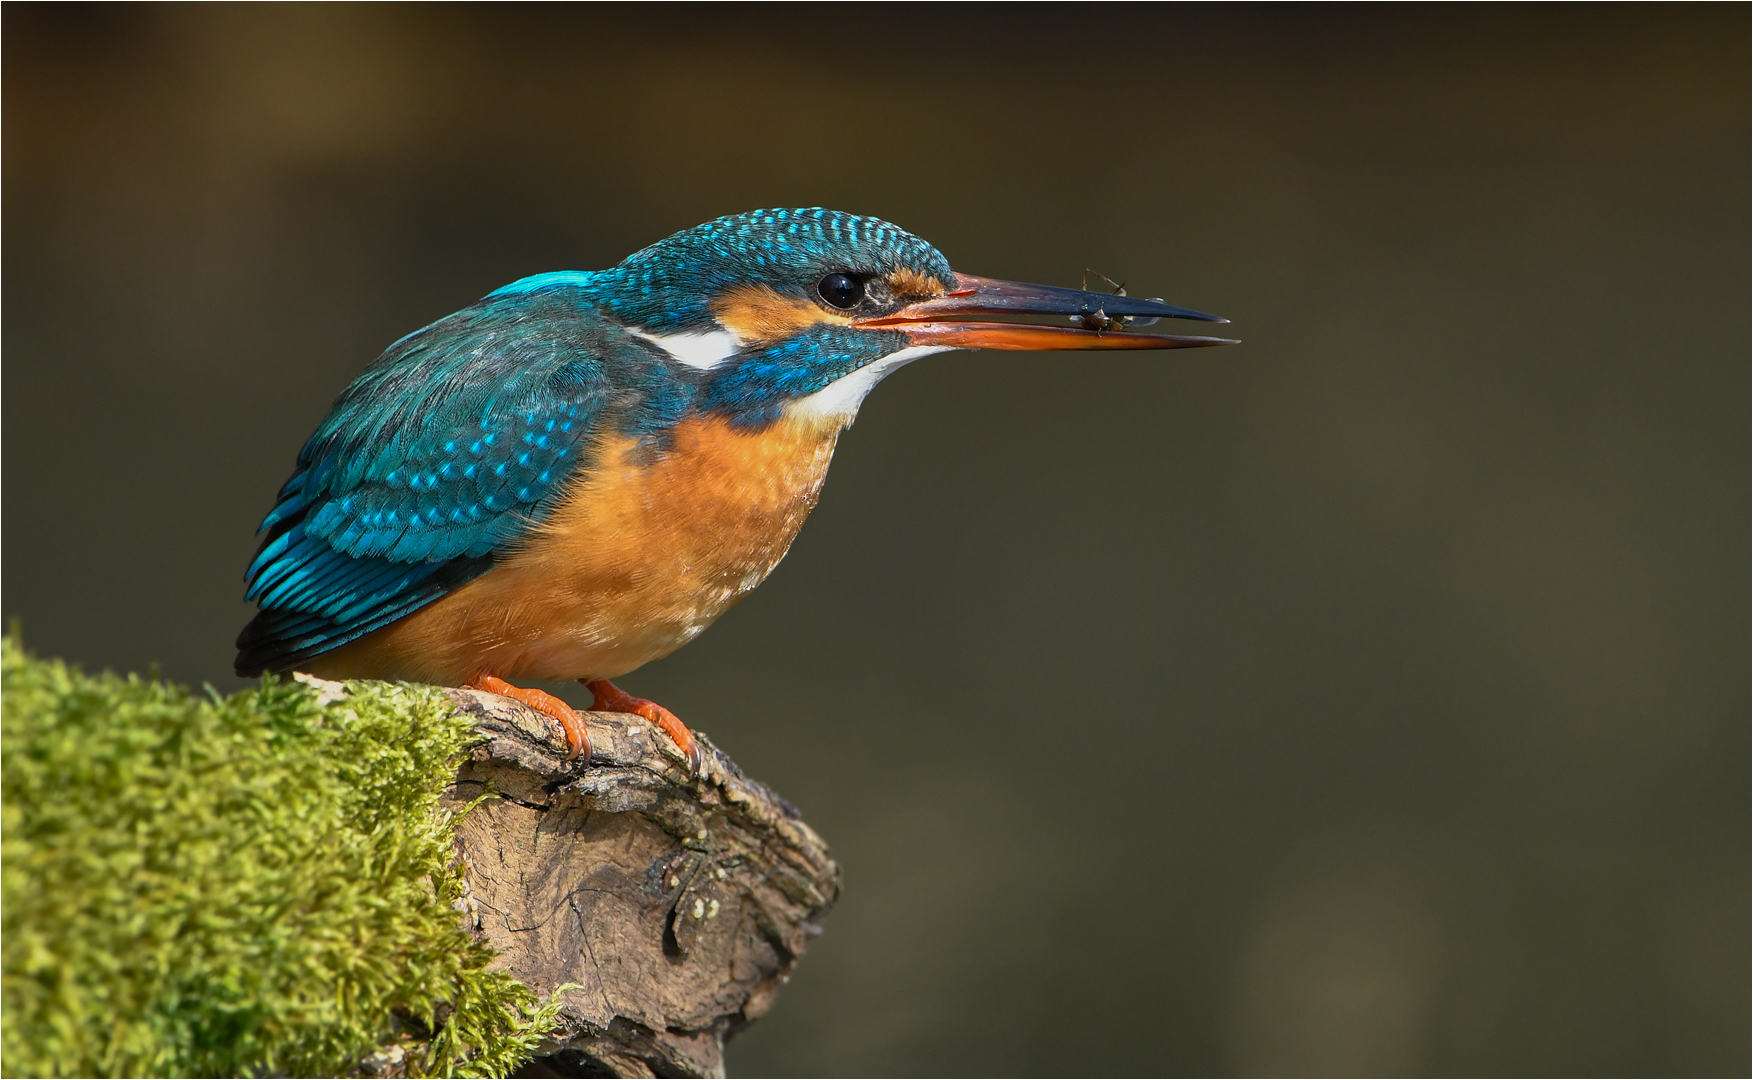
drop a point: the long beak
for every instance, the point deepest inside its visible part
(1099, 319)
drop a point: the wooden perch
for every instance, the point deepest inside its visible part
(678, 905)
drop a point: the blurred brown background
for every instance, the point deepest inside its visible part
(1370, 698)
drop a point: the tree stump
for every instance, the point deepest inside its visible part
(676, 905)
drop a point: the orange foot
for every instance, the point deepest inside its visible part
(577, 739)
(611, 698)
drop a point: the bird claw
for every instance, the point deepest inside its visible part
(571, 724)
(611, 698)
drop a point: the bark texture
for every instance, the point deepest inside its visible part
(676, 905)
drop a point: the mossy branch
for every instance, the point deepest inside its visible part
(309, 879)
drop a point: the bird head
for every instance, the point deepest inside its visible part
(802, 312)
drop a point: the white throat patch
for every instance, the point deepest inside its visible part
(704, 350)
(840, 399)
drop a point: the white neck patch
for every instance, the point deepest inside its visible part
(701, 349)
(840, 399)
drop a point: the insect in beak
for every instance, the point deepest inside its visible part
(1099, 320)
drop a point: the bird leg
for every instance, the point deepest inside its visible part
(611, 698)
(577, 738)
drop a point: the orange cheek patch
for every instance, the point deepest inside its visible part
(758, 315)
(910, 283)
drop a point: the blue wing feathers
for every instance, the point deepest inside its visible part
(438, 457)
(279, 640)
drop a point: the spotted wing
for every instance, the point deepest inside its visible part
(435, 460)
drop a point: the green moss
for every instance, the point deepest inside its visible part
(259, 884)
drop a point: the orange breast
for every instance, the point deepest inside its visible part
(640, 557)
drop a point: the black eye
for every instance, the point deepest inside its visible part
(841, 290)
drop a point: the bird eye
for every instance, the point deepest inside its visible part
(841, 290)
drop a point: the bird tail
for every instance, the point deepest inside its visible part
(277, 640)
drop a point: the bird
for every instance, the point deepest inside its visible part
(581, 471)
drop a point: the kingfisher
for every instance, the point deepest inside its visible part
(578, 473)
